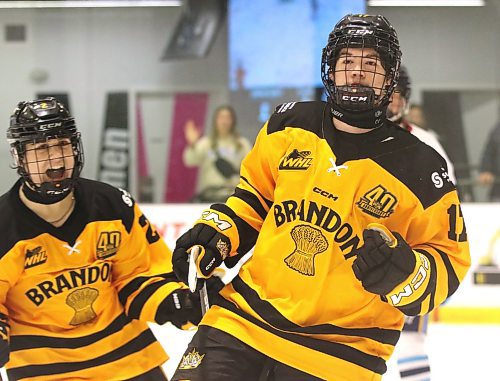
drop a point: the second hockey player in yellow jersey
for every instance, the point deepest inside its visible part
(355, 224)
(81, 269)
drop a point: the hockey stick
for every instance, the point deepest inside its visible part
(193, 279)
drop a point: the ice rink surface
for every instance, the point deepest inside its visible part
(457, 352)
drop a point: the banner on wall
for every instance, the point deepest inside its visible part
(114, 153)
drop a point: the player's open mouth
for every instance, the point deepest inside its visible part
(56, 173)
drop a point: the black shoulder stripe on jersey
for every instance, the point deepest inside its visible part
(415, 307)
(269, 203)
(251, 200)
(337, 350)
(142, 297)
(248, 235)
(453, 281)
(21, 342)
(305, 115)
(137, 344)
(273, 317)
(137, 282)
(408, 168)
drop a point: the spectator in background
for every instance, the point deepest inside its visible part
(218, 156)
(416, 116)
(490, 164)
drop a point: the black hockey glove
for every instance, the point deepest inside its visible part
(215, 247)
(380, 267)
(4, 352)
(183, 308)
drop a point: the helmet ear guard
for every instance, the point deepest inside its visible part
(39, 121)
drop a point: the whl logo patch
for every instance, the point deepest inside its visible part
(35, 257)
(296, 160)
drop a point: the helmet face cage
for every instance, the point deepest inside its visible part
(367, 47)
(46, 147)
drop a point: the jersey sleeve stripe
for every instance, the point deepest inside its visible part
(252, 200)
(269, 203)
(142, 341)
(142, 297)
(21, 342)
(453, 281)
(248, 235)
(137, 283)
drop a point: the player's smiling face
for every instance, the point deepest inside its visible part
(49, 161)
(359, 67)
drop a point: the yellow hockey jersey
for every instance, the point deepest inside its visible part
(71, 297)
(306, 194)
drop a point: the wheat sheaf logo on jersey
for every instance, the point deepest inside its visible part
(378, 202)
(108, 244)
(309, 242)
(192, 360)
(35, 257)
(81, 301)
(296, 160)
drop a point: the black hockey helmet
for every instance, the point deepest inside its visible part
(397, 111)
(39, 121)
(362, 31)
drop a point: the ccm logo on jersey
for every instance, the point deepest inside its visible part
(415, 282)
(214, 217)
(324, 193)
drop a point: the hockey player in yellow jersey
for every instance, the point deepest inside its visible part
(355, 225)
(81, 268)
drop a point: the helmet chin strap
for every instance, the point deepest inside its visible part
(46, 195)
(368, 119)
(356, 107)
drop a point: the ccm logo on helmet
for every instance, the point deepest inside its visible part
(360, 32)
(49, 125)
(355, 98)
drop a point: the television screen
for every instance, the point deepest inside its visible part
(279, 42)
(275, 51)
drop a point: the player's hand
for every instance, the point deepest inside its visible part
(4, 352)
(215, 247)
(183, 308)
(380, 267)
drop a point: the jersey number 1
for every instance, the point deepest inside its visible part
(456, 221)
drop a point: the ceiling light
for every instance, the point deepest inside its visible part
(89, 4)
(425, 3)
